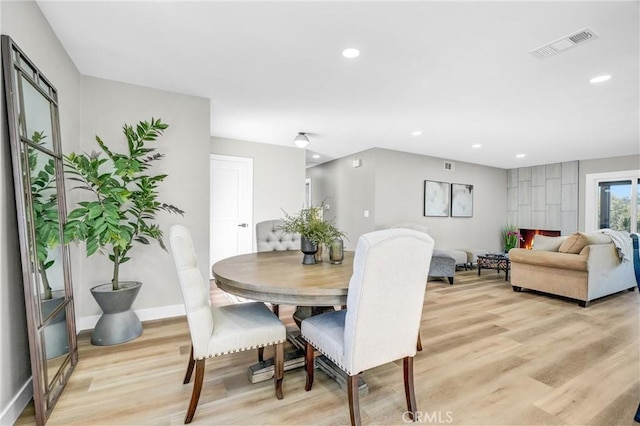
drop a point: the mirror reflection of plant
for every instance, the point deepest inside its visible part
(44, 203)
(126, 197)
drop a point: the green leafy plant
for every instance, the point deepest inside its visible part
(44, 202)
(510, 237)
(309, 223)
(125, 198)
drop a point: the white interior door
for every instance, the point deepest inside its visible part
(231, 217)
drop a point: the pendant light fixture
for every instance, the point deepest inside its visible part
(302, 140)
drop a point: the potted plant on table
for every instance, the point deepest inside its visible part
(122, 211)
(313, 229)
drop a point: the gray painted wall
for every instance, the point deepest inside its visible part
(106, 106)
(24, 22)
(390, 184)
(602, 165)
(278, 176)
(348, 191)
(102, 106)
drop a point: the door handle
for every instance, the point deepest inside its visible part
(243, 225)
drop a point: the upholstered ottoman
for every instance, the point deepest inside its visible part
(472, 255)
(443, 265)
(460, 256)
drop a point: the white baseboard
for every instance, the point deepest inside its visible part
(16, 406)
(89, 322)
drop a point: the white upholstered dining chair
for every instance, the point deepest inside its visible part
(416, 227)
(221, 330)
(384, 307)
(270, 237)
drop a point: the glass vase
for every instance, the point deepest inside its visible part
(336, 252)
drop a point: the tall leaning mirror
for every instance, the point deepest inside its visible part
(34, 133)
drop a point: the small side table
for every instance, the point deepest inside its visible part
(497, 261)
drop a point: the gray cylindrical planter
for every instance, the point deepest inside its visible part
(309, 249)
(118, 323)
(56, 336)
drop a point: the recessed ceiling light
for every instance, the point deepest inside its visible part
(316, 156)
(600, 79)
(476, 145)
(416, 133)
(520, 156)
(351, 53)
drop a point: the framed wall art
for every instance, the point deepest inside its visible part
(436, 198)
(461, 200)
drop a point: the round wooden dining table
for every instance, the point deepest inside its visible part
(279, 277)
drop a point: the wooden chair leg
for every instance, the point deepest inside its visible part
(279, 369)
(276, 310)
(197, 387)
(354, 400)
(419, 344)
(309, 365)
(260, 354)
(409, 388)
(187, 376)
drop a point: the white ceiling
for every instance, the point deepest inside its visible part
(458, 71)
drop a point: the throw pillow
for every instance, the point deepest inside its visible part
(545, 243)
(575, 243)
(599, 238)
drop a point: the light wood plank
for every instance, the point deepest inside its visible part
(491, 357)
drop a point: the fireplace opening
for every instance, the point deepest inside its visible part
(528, 234)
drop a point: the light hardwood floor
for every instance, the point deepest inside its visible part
(491, 357)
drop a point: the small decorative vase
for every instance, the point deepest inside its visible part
(309, 249)
(318, 254)
(336, 252)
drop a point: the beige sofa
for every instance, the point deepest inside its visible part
(581, 266)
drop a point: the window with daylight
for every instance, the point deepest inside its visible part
(614, 201)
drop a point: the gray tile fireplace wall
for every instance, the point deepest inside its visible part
(544, 197)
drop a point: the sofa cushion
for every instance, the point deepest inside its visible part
(574, 243)
(545, 243)
(599, 238)
(549, 259)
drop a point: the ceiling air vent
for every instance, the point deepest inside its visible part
(449, 166)
(564, 43)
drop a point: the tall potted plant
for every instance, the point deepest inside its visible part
(122, 211)
(313, 229)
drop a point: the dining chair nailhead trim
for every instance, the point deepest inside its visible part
(240, 350)
(335, 361)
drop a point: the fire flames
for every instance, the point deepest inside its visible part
(529, 234)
